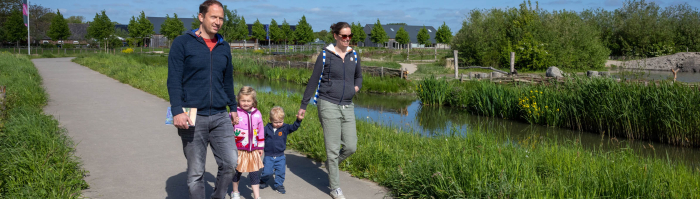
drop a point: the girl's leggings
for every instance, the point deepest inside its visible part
(253, 176)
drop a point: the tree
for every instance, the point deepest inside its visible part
(15, 29)
(172, 27)
(354, 29)
(228, 27)
(75, 19)
(304, 33)
(378, 34)
(40, 18)
(101, 28)
(134, 30)
(59, 28)
(275, 31)
(360, 35)
(324, 36)
(145, 27)
(258, 31)
(287, 32)
(195, 22)
(241, 31)
(402, 36)
(443, 34)
(423, 36)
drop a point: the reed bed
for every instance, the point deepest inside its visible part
(660, 111)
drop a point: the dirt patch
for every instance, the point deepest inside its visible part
(686, 62)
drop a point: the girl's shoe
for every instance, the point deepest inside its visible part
(235, 195)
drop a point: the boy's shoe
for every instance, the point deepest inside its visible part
(337, 194)
(263, 185)
(281, 190)
(235, 195)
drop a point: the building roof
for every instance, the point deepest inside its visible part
(158, 21)
(412, 31)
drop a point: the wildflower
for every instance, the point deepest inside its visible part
(557, 109)
(546, 106)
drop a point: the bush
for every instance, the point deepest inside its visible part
(48, 45)
(68, 46)
(128, 50)
(539, 38)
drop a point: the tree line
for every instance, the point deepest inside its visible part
(577, 40)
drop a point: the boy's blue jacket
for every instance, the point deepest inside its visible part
(276, 141)
(199, 78)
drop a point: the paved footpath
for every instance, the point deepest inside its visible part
(122, 141)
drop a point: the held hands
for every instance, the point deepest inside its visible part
(301, 114)
(234, 117)
(260, 152)
(182, 121)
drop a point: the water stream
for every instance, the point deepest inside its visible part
(407, 113)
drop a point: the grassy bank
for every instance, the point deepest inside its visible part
(662, 111)
(36, 156)
(243, 65)
(478, 165)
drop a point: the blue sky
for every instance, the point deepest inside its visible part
(320, 14)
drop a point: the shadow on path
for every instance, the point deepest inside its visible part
(308, 170)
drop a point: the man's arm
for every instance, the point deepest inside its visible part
(228, 85)
(176, 65)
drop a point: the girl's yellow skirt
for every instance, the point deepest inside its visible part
(249, 161)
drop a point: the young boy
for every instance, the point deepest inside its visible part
(275, 143)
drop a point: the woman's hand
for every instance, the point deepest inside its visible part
(301, 113)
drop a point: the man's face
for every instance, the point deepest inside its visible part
(212, 21)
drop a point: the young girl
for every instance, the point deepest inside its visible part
(250, 141)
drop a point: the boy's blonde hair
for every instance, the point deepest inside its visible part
(248, 91)
(277, 113)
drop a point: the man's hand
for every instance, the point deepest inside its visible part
(182, 121)
(301, 113)
(357, 89)
(234, 117)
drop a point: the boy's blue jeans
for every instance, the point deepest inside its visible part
(274, 165)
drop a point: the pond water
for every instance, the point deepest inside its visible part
(407, 113)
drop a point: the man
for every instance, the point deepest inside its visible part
(200, 75)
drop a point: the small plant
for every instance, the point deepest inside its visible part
(433, 91)
(128, 51)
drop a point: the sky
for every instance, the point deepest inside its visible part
(321, 14)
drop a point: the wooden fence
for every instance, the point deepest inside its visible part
(376, 71)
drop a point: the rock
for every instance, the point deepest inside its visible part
(554, 72)
(496, 74)
(604, 73)
(481, 75)
(591, 73)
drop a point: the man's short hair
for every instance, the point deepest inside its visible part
(277, 113)
(204, 7)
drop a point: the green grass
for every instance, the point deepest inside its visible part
(476, 165)
(36, 155)
(242, 64)
(662, 111)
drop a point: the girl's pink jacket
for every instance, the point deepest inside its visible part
(250, 133)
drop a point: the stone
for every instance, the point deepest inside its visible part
(592, 74)
(604, 73)
(496, 74)
(553, 71)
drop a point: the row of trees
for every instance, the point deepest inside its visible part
(578, 40)
(43, 22)
(641, 28)
(379, 35)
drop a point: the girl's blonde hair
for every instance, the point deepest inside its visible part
(248, 91)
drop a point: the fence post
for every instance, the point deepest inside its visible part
(456, 64)
(435, 52)
(512, 62)
(382, 73)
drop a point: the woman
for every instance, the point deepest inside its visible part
(337, 76)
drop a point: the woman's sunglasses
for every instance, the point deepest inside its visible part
(346, 36)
